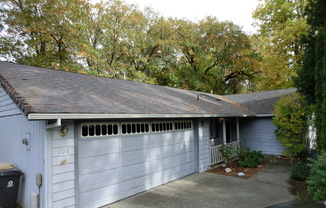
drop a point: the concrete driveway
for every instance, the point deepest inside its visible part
(269, 187)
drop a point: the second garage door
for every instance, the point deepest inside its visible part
(116, 160)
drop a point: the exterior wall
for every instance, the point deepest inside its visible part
(14, 127)
(203, 145)
(61, 167)
(258, 134)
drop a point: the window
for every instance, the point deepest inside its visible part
(127, 128)
(134, 128)
(97, 130)
(162, 126)
(182, 125)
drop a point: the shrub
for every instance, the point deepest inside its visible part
(300, 171)
(317, 178)
(291, 121)
(250, 159)
(227, 152)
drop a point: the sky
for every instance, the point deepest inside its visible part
(238, 11)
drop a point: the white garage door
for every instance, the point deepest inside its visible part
(116, 160)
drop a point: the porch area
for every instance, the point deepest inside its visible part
(215, 152)
(224, 133)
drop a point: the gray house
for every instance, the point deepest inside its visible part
(96, 140)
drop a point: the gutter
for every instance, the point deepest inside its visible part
(265, 115)
(59, 117)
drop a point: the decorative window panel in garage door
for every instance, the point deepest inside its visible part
(131, 158)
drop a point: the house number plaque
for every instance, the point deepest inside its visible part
(64, 151)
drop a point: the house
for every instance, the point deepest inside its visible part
(96, 140)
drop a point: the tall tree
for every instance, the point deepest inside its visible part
(48, 29)
(217, 56)
(118, 40)
(282, 24)
(312, 76)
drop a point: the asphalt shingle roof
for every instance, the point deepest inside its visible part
(260, 102)
(46, 91)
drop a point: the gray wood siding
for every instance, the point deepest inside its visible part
(61, 160)
(203, 145)
(258, 134)
(7, 106)
(14, 127)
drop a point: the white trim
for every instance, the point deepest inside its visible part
(224, 132)
(265, 115)
(238, 130)
(36, 116)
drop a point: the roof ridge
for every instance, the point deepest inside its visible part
(15, 97)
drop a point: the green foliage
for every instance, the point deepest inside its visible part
(227, 152)
(317, 179)
(282, 25)
(250, 159)
(311, 77)
(116, 39)
(300, 171)
(291, 124)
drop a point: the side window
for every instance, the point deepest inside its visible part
(182, 125)
(162, 126)
(97, 130)
(134, 128)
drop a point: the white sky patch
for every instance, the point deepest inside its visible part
(237, 11)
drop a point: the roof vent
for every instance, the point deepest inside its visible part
(207, 96)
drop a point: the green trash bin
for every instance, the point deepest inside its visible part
(9, 184)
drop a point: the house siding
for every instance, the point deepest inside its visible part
(258, 134)
(14, 127)
(203, 145)
(7, 107)
(61, 158)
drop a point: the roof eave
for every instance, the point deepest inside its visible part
(37, 116)
(265, 115)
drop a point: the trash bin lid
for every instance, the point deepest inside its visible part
(6, 166)
(11, 172)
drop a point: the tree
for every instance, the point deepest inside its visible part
(216, 56)
(311, 77)
(48, 29)
(282, 24)
(118, 40)
(291, 121)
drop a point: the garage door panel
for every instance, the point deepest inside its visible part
(139, 184)
(101, 145)
(183, 158)
(162, 139)
(184, 169)
(135, 142)
(162, 151)
(135, 171)
(163, 176)
(98, 163)
(183, 147)
(97, 179)
(107, 193)
(183, 137)
(136, 156)
(162, 164)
